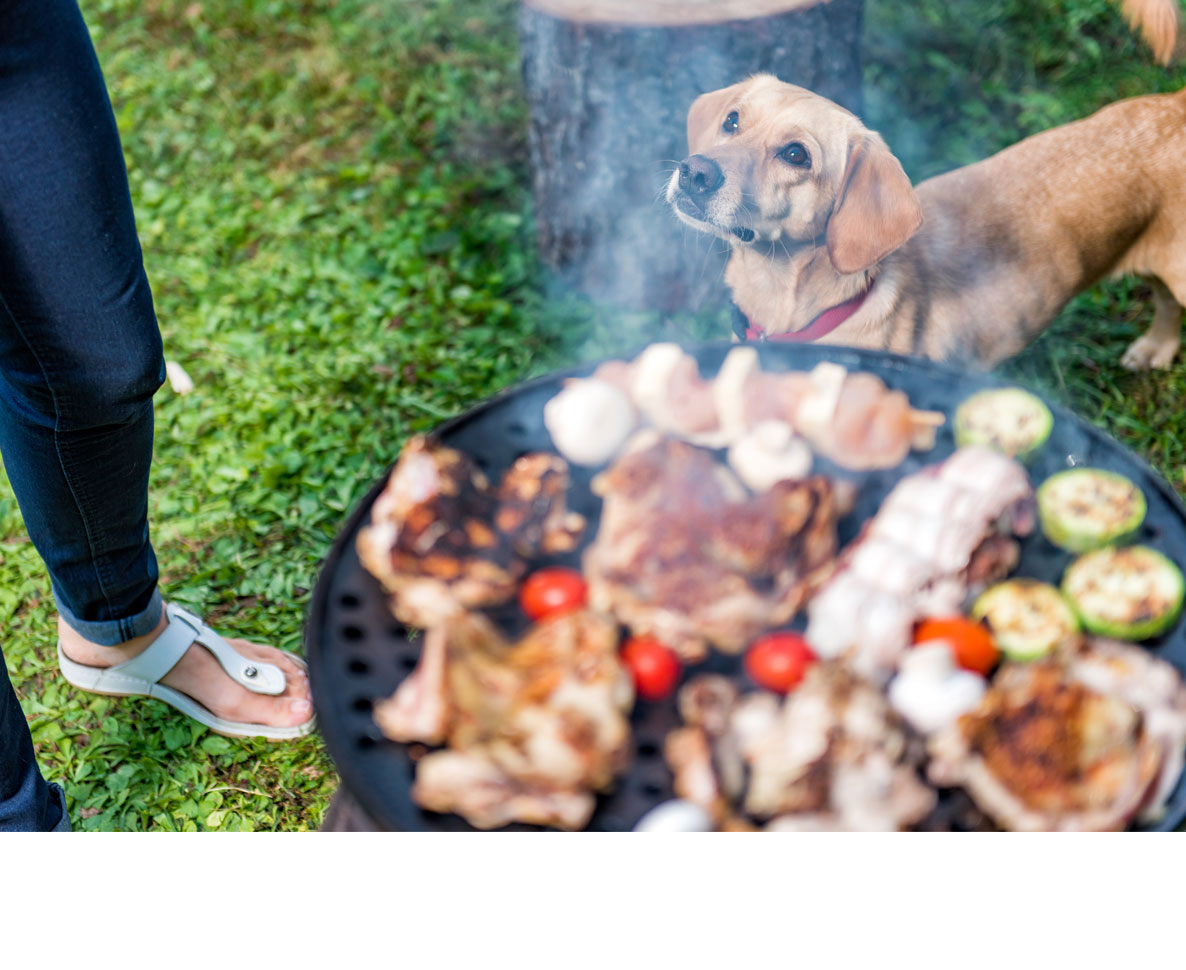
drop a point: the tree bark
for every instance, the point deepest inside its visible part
(608, 109)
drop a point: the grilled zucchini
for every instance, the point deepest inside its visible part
(1130, 593)
(1028, 618)
(1089, 508)
(1006, 419)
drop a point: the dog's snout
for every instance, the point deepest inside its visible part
(700, 177)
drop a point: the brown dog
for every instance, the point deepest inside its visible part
(831, 242)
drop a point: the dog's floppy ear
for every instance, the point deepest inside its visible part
(876, 210)
(705, 117)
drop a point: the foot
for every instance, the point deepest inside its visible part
(1150, 352)
(198, 675)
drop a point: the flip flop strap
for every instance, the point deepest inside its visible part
(184, 629)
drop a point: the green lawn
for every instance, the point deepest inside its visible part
(334, 207)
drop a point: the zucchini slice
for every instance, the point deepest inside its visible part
(1027, 618)
(1088, 508)
(1006, 419)
(1130, 593)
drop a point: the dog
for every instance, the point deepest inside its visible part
(831, 242)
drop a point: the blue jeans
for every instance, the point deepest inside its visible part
(80, 353)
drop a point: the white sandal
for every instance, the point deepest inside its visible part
(140, 676)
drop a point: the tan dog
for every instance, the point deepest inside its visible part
(831, 242)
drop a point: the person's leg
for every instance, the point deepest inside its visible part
(80, 358)
(27, 803)
(79, 342)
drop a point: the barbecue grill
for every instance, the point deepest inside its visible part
(358, 653)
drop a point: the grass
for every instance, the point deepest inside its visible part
(334, 204)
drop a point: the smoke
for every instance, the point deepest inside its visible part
(608, 127)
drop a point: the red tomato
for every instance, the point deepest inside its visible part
(778, 661)
(971, 642)
(552, 590)
(654, 667)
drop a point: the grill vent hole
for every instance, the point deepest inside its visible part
(350, 601)
(357, 666)
(352, 633)
(362, 704)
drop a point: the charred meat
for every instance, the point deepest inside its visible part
(442, 539)
(1087, 742)
(686, 554)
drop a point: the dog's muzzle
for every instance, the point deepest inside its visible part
(699, 179)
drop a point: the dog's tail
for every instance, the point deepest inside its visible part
(1159, 22)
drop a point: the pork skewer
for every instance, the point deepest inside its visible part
(852, 419)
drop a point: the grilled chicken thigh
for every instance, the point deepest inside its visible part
(1087, 742)
(442, 539)
(533, 728)
(686, 554)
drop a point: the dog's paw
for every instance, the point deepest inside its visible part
(1149, 353)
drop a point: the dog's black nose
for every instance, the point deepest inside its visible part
(700, 177)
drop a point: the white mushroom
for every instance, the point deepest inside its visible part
(770, 453)
(676, 815)
(589, 421)
(930, 691)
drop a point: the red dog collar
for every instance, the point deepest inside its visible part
(824, 324)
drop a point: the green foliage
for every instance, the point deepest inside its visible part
(334, 205)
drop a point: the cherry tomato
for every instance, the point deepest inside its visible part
(778, 661)
(552, 590)
(970, 641)
(654, 666)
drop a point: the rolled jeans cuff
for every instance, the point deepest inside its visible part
(111, 633)
(63, 824)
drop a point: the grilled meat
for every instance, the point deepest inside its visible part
(937, 532)
(532, 508)
(831, 756)
(441, 539)
(532, 727)
(685, 554)
(471, 785)
(419, 708)
(1086, 742)
(853, 419)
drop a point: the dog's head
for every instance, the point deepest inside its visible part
(772, 163)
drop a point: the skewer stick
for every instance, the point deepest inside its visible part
(925, 424)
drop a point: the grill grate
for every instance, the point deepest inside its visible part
(358, 653)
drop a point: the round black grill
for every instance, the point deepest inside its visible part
(358, 653)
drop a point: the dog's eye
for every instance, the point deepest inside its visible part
(795, 154)
(730, 126)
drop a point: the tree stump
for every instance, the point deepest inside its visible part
(609, 84)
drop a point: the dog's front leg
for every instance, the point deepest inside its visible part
(1157, 347)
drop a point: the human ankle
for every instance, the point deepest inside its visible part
(81, 650)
